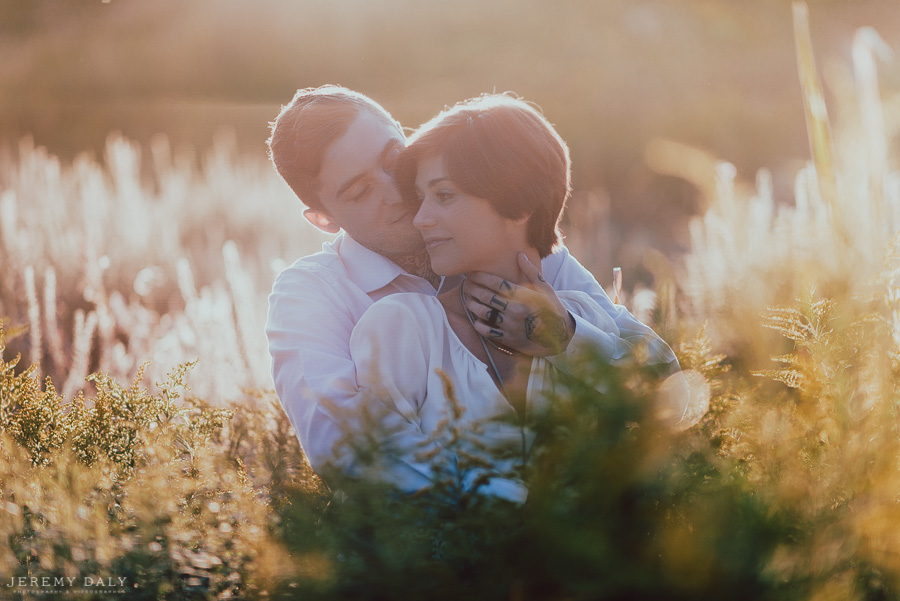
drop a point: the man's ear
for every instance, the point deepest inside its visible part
(523, 218)
(321, 221)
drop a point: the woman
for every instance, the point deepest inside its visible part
(492, 177)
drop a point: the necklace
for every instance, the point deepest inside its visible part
(462, 299)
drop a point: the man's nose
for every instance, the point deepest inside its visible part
(390, 192)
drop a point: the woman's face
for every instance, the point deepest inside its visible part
(463, 233)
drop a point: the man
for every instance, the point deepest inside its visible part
(336, 150)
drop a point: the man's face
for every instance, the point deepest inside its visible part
(358, 192)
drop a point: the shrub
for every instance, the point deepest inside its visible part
(130, 484)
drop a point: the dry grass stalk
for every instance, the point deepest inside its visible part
(817, 125)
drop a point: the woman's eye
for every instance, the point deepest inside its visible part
(443, 195)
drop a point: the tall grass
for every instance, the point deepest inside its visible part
(751, 251)
(115, 263)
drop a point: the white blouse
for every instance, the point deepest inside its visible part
(400, 346)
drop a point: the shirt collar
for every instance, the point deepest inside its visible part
(368, 270)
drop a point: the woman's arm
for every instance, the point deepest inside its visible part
(399, 348)
(391, 350)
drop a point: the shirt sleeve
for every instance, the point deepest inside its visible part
(598, 321)
(308, 329)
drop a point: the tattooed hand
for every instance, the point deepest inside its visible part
(528, 318)
(546, 328)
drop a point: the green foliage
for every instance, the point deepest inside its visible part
(619, 507)
(781, 492)
(134, 485)
(113, 424)
(29, 415)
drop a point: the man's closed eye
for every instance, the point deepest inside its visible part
(362, 194)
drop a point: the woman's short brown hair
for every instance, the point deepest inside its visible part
(307, 126)
(502, 149)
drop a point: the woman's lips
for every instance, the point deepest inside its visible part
(432, 243)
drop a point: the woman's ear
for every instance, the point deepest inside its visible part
(321, 221)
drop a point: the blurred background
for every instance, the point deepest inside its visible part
(614, 76)
(141, 222)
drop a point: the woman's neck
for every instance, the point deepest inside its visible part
(508, 267)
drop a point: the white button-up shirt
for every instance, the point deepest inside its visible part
(316, 302)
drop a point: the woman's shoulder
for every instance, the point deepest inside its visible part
(406, 303)
(403, 312)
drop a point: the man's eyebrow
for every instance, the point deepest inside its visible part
(393, 143)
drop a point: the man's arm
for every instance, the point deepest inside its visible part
(592, 320)
(310, 325)
(308, 328)
(571, 275)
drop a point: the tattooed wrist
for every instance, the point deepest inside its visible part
(546, 328)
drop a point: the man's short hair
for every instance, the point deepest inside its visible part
(307, 126)
(502, 149)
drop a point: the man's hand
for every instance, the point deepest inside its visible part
(529, 318)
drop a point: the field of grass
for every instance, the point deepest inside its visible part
(182, 479)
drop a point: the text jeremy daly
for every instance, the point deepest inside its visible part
(58, 581)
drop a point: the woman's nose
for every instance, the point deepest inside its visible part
(423, 218)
